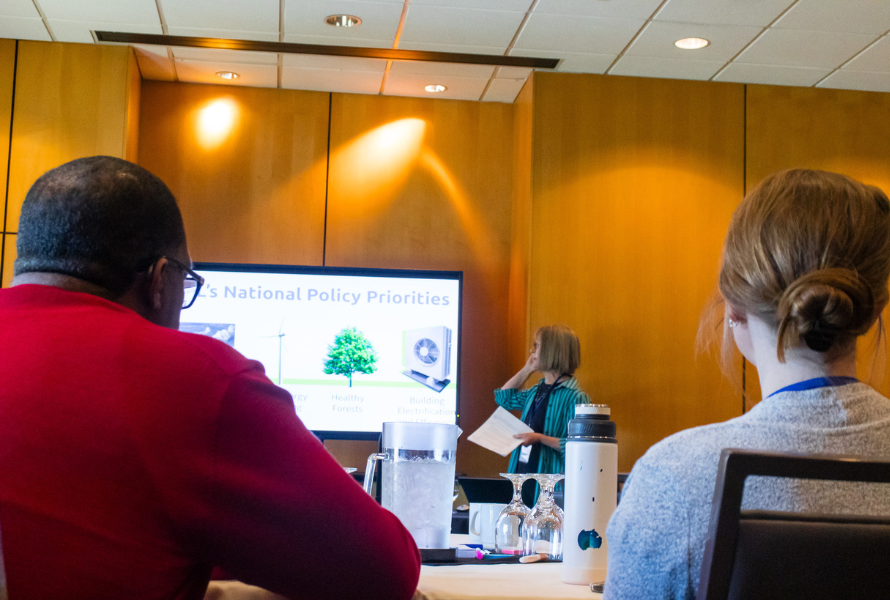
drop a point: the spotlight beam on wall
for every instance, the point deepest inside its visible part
(215, 122)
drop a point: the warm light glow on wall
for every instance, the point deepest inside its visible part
(216, 121)
(371, 168)
(470, 219)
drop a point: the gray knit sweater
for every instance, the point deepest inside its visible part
(657, 535)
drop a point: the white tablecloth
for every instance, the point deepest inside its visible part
(498, 582)
(531, 581)
(464, 582)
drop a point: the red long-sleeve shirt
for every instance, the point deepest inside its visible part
(133, 458)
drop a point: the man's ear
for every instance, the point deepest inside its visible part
(157, 287)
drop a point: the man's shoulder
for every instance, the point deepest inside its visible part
(195, 350)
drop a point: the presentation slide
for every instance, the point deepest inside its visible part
(354, 351)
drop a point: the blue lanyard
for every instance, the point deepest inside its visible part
(818, 382)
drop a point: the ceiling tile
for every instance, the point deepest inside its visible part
(411, 84)
(857, 80)
(516, 5)
(333, 41)
(457, 48)
(658, 38)
(229, 34)
(23, 29)
(445, 25)
(572, 62)
(436, 69)
(24, 9)
(876, 58)
(513, 73)
(79, 31)
(850, 16)
(670, 68)
(380, 20)
(225, 56)
(328, 80)
(723, 12)
(154, 63)
(144, 12)
(798, 48)
(196, 71)
(591, 35)
(625, 9)
(334, 63)
(503, 90)
(771, 74)
(236, 15)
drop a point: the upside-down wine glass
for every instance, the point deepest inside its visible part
(543, 530)
(508, 527)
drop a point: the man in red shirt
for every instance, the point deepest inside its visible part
(134, 457)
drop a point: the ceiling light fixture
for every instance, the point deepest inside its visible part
(691, 43)
(435, 88)
(342, 20)
(229, 75)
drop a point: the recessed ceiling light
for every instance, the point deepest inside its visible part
(227, 75)
(435, 88)
(691, 43)
(343, 20)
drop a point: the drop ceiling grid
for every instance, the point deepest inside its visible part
(828, 43)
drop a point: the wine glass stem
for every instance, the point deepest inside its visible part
(517, 491)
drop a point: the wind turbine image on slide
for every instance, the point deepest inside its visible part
(280, 335)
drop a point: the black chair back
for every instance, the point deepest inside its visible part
(764, 554)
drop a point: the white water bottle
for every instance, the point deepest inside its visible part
(591, 493)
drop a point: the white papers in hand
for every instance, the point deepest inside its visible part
(496, 434)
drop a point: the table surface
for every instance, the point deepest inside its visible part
(498, 582)
(465, 582)
(459, 582)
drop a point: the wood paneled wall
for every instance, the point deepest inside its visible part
(426, 184)
(413, 184)
(518, 336)
(835, 130)
(633, 185)
(7, 83)
(71, 101)
(49, 129)
(599, 202)
(247, 166)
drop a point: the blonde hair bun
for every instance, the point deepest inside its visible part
(809, 253)
(824, 307)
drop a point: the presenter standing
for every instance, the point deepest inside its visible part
(548, 406)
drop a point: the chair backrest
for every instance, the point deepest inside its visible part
(764, 554)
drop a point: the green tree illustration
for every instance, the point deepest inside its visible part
(351, 353)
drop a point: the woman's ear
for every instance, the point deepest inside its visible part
(735, 316)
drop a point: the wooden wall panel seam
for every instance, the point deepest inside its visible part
(8, 159)
(327, 184)
(9, 145)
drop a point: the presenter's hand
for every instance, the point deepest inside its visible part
(531, 365)
(528, 438)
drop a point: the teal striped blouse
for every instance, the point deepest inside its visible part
(560, 410)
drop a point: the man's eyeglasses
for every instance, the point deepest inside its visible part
(191, 284)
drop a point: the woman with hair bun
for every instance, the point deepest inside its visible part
(804, 274)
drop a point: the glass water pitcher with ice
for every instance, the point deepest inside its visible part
(417, 479)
